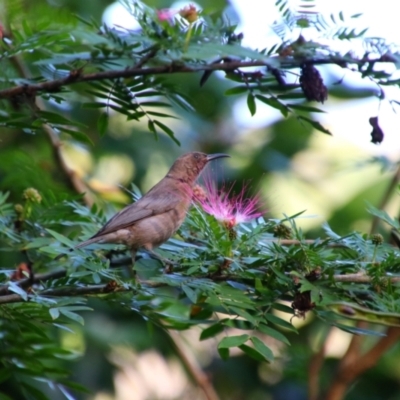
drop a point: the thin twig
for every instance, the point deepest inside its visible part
(192, 366)
(146, 58)
(77, 76)
(294, 242)
(73, 179)
(362, 278)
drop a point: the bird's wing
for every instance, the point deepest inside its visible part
(147, 206)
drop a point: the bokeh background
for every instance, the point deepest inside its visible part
(294, 167)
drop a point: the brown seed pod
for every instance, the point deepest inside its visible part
(312, 84)
(377, 133)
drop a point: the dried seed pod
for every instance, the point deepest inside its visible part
(377, 133)
(282, 231)
(312, 84)
(302, 303)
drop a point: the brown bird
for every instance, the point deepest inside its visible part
(156, 216)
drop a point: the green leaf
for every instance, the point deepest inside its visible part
(238, 323)
(314, 124)
(275, 103)
(62, 239)
(190, 293)
(152, 128)
(102, 123)
(168, 131)
(252, 352)
(224, 353)
(251, 104)
(4, 397)
(159, 114)
(13, 287)
(233, 341)
(32, 392)
(77, 135)
(97, 104)
(155, 104)
(301, 107)
(64, 328)
(74, 316)
(236, 90)
(282, 307)
(273, 333)
(279, 321)
(54, 312)
(5, 374)
(264, 350)
(359, 331)
(211, 331)
(383, 215)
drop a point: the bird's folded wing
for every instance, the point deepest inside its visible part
(145, 207)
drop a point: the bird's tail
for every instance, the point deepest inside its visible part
(78, 246)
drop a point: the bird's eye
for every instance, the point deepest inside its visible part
(196, 156)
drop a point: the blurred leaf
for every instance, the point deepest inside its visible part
(314, 124)
(251, 104)
(383, 215)
(102, 123)
(233, 341)
(262, 349)
(273, 333)
(211, 331)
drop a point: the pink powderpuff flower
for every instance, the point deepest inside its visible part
(166, 14)
(228, 208)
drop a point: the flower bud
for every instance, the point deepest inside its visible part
(32, 195)
(19, 209)
(189, 13)
(377, 239)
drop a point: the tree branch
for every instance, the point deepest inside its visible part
(111, 287)
(353, 365)
(314, 369)
(76, 76)
(37, 278)
(5, 297)
(192, 366)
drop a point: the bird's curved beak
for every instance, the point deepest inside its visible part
(211, 157)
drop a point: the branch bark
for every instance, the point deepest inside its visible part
(7, 297)
(77, 76)
(108, 288)
(192, 366)
(353, 364)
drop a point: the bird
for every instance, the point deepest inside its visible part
(156, 216)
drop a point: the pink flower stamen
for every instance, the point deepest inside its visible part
(166, 14)
(229, 208)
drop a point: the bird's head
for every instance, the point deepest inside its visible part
(189, 166)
